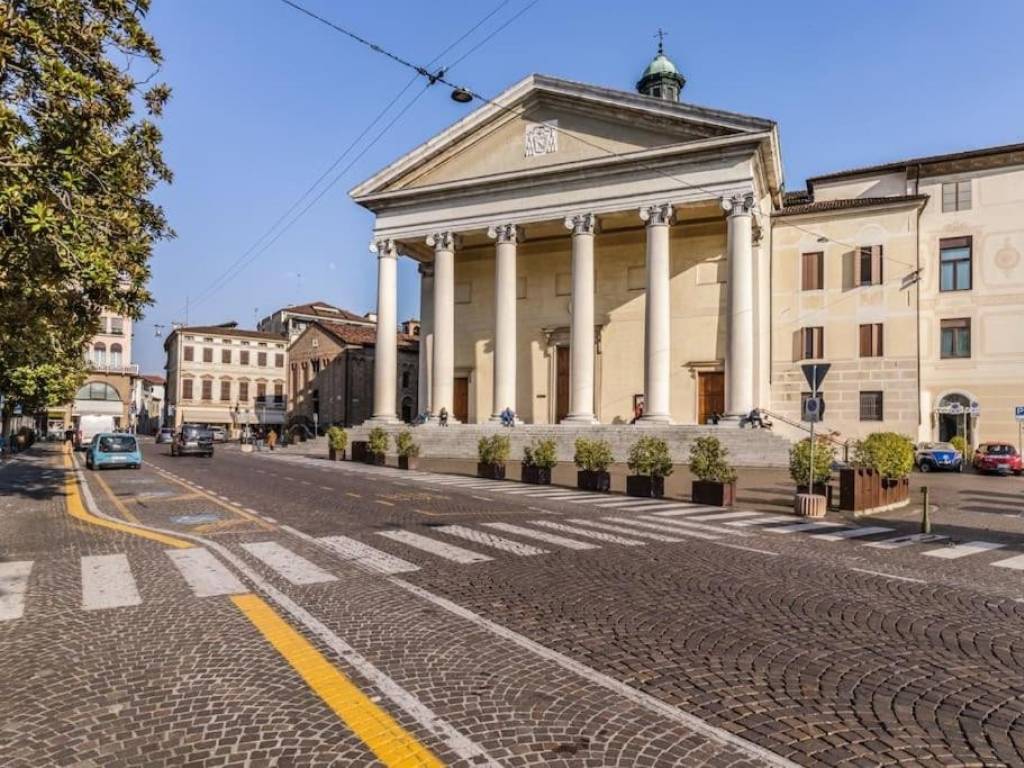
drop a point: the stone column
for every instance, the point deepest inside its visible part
(443, 359)
(426, 350)
(581, 341)
(739, 350)
(506, 236)
(657, 315)
(385, 355)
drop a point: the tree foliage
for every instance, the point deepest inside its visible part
(888, 453)
(709, 461)
(650, 456)
(79, 157)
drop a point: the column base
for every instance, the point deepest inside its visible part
(654, 420)
(732, 420)
(580, 419)
(383, 421)
(435, 421)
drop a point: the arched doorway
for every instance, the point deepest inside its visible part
(407, 414)
(956, 415)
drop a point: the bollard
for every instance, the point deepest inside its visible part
(926, 519)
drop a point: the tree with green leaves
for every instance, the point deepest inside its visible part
(79, 158)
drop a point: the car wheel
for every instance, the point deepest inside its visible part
(925, 466)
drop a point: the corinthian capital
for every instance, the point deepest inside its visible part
(505, 233)
(443, 241)
(660, 214)
(582, 224)
(385, 248)
(739, 205)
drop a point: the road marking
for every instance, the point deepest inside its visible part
(296, 569)
(686, 527)
(391, 743)
(13, 586)
(852, 533)
(439, 548)
(904, 541)
(1016, 563)
(679, 510)
(722, 516)
(490, 540)
(221, 502)
(888, 575)
(126, 513)
(107, 582)
(480, 498)
(622, 503)
(627, 531)
(357, 552)
(598, 535)
(801, 527)
(353, 495)
(661, 526)
(205, 574)
(385, 503)
(963, 550)
(650, 505)
(550, 538)
(763, 520)
(325, 488)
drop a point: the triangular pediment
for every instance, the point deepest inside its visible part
(543, 122)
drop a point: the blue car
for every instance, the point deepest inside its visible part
(930, 457)
(110, 449)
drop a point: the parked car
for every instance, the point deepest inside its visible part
(930, 457)
(998, 457)
(111, 449)
(220, 435)
(165, 435)
(192, 440)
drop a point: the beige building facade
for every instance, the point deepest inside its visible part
(594, 256)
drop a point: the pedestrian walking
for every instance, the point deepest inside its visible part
(443, 417)
(272, 439)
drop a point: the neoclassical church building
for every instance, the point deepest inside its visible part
(591, 255)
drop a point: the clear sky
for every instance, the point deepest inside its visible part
(266, 99)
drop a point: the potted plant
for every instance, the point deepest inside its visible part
(493, 452)
(966, 455)
(650, 463)
(880, 475)
(593, 457)
(716, 479)
(539, 458)
(337, 442)
(377, 446)
(813, 497)
(408, 450)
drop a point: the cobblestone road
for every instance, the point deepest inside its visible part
(495, 623)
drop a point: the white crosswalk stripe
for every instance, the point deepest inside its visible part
(722, 516)
(661, 525)
(490, 540)
(576, 530)
(13, 587)
(627, 531)
(684, 525)
(1016, 563)
(295, 568)
(107, 582)
(803, 527)
(649, 505)
(550, 538)
(762, 520)
(365, 555)
(906, 541)
(205, 574)
(852, 533)
(623, 503)
(683, 510)
(957, 551)
(440, 548)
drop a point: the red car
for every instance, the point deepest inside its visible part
(998, 457)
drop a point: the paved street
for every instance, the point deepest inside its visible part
(280, 609)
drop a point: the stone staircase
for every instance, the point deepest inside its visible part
(747, 447)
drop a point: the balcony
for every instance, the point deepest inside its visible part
(125, 369)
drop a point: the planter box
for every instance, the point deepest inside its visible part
(336, 455)
(861, 489)
(360, 450)
(713, 494)
(491, 471)
(376, 459)
(246, 448)
(809, 505)
(593, 481)
(408, 462)
(536, 475)
(645, 486)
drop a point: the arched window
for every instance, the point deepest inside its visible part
(115, 355)
(97, 390)
(99, 353)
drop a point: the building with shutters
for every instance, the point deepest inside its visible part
(586, 252)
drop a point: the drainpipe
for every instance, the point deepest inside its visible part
(917, 296)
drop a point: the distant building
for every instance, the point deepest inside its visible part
(225, 376)
(331, 373)
(148, 396)
(291, 321)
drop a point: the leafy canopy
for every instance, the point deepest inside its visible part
(709, 461)
(650, 456)
(890, 454)
(77, 166)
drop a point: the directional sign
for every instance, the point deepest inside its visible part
(815, 374)
(1018, 412)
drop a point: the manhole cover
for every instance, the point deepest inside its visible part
(203, 517)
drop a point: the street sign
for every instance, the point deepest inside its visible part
(815, 374)
(1018, 412)
(813, 410)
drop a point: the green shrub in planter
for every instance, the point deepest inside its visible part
(716, 479)
(800, 461)
(593, 457)
(891, 455)
(408, 450)
(649, 456)
(337, 440)
(378, 444)
(493, 452)
(539, 458)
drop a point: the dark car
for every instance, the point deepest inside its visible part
(192, 440)
(998, 457)
(930, 457)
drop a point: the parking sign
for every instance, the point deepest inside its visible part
(1019, 412)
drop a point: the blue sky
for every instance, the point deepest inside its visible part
(265, 99)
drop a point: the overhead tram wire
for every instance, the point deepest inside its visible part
(231, 271)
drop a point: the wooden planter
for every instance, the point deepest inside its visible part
(861, 489)
(490, 471)
(536, 475)
(377, 459)
(360, 450)
(713, 494)
(335, 454)
(408, 462)
(586, 480)
(645, 486)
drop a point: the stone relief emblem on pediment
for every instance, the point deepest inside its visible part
(541, 139)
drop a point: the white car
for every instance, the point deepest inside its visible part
(220, 435)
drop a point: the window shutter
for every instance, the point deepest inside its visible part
(865, 341)
(798, 347)
(876, 265)
(879, 351)
(819, 343)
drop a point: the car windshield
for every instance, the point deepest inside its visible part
(939, 447)
(1001, 450)
(117, 444)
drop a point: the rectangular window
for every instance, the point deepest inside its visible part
(243, 357)
(871, 340)
(117, 326)
(261, 359)
(225, 356)
(279, 393)
(207, 354)
(956, 338)
(809, 344)
(956, 196)
(190, 354)
(225, 390)
(813, 271)
(869, 265)
(186, 389)
(261, 391)
(871, 406)
(279, 360)
(955, 264)
(207, 389)
(243, 391)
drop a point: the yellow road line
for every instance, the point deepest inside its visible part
(392, 744)
(118, 504)
(77, 510)
(162, 499)
(209, 496)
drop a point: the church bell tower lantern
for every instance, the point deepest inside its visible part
(661, 79)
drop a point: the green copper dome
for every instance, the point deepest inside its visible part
(661, 65)
(662, 79)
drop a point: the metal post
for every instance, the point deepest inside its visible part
(810, 480)
(926, 518)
